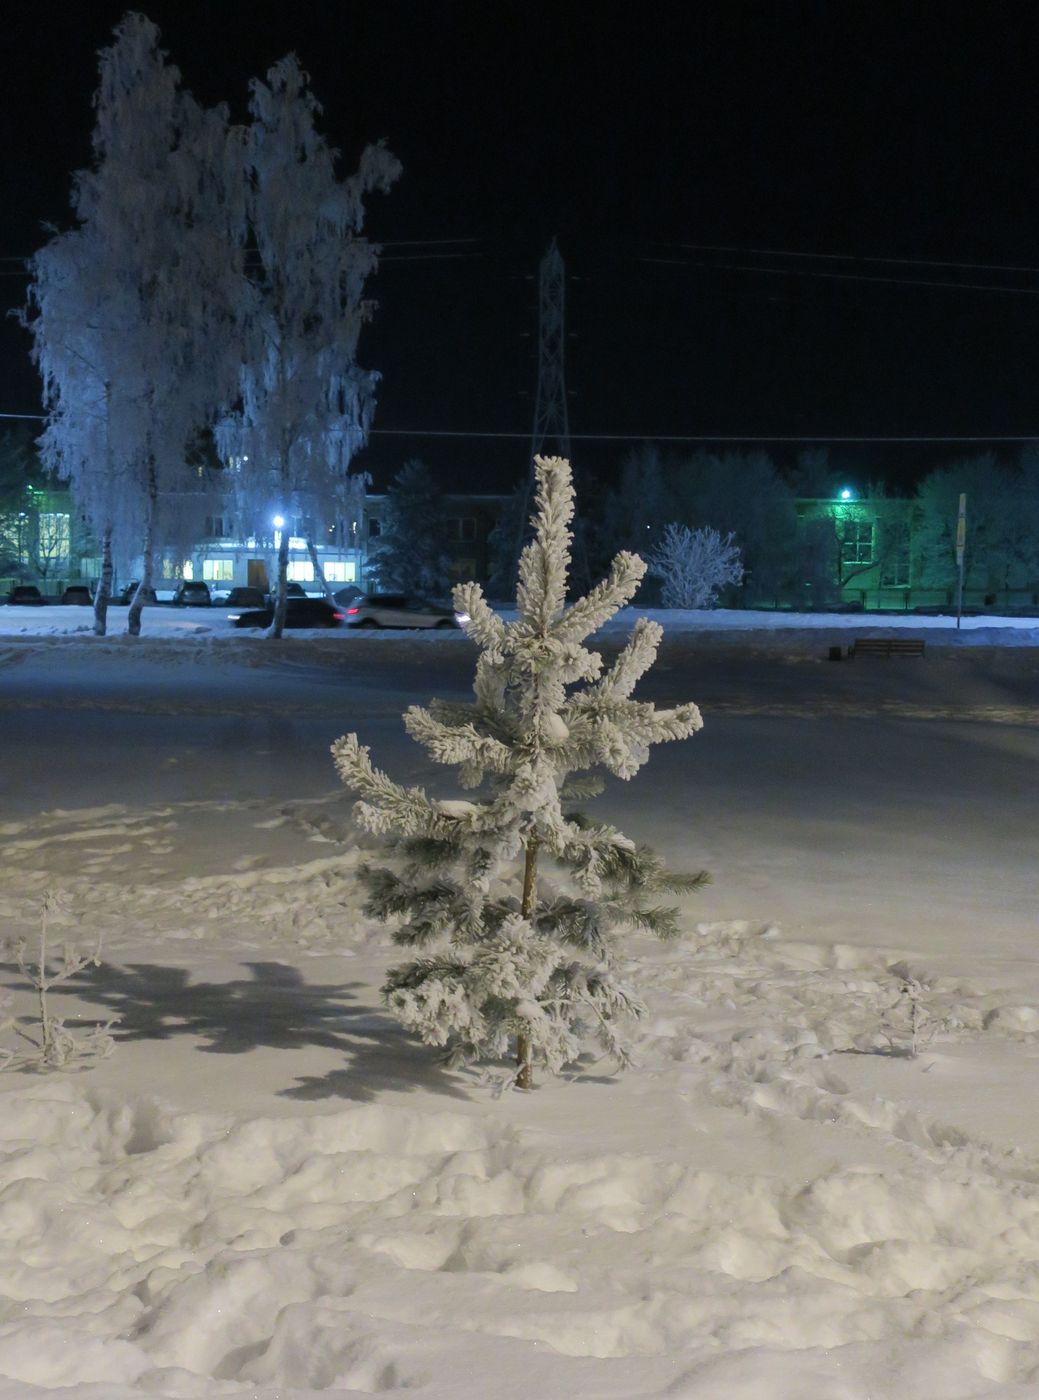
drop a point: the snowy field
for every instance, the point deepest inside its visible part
(821, 1182)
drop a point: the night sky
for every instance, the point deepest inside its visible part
(683, 154)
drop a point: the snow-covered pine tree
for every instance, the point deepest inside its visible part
(408, 553)
(504, 956)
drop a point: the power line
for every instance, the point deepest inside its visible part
(678, 437)
(855, 257)
(848, 277)
(718, 437)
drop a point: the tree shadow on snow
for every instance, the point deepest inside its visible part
(275, 1008)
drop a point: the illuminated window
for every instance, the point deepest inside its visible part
(218, 570)
(857, 541)
(55, 537)
(301, 571)
(341, 571)
(187, 570)
(894, 572)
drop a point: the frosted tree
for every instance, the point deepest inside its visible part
(132, 310)
(507, 957)
(408, 553)
(694, 565)
(19, 476)
(305, 405)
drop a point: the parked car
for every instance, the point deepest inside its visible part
(245, 597)
(77, 593)
(127, 595)
(25, 593)
(399, 610)
(292, 590)
(299, 612)
(191, 594)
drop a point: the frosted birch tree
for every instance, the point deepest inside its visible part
(305, 405)
(508, 958)
(694, 566)
(132, 311)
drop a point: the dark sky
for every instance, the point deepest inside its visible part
(900, 141)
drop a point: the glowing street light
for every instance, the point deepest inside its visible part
(278, 521)
(847, 494)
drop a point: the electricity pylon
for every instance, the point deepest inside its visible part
(551, 420)
(551, 431)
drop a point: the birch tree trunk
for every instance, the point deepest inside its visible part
(319, 572)
(133, 617)
(277, 626)
(104, 584)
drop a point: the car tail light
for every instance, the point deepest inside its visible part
(338, 616)
(350, 612)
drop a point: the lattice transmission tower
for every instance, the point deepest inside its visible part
(551, 419)
(551, 430)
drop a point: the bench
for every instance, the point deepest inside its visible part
(886, 646)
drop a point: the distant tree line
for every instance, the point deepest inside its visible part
(798, 542)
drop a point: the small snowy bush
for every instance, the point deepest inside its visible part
(694, 565)
(506, 961)
(54, 1046)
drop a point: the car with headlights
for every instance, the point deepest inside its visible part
(299, 612)
(399, 610)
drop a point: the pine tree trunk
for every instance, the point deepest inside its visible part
(104, 585)
(524, 1070)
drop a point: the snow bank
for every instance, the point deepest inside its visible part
(56, 621)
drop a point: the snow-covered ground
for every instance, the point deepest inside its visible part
(268, 1190)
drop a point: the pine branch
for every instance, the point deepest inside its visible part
(485, 627)
(614, 592)
(574, 789)
(633, 662)
(456, 744)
